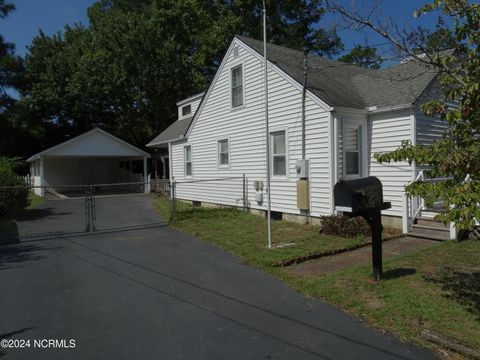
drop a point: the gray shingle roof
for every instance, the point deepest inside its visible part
(347, 85)
(335, 82)
(174, 132)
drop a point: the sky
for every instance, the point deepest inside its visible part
(51, 16)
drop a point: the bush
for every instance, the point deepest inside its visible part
(344, 226)
(12, 200)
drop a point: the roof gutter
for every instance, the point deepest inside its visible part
(377, 110)
(151, 145)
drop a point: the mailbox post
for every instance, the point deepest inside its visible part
(364, 197)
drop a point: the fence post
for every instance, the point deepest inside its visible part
(172, 198)
(405, 217)
(244, 194)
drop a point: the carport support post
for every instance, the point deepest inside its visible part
(42, 180)
(146, 180)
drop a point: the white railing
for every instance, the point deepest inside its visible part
(453, 229)
(412, 206)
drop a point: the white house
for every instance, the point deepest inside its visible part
(351, 114)
(94, 157)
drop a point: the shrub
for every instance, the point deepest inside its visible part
(12, 200)
(344, 226)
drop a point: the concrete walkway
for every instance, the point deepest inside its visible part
(358, 257)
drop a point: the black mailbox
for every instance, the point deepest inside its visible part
(364, 197)
(358, 195)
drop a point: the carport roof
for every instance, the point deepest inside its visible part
(93, 143)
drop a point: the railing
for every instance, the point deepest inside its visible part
(453, 229)
(161, 186)
(412, 206)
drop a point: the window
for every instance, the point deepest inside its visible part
(279, 153)
(186, 110)
(187, 156)
(223, 150)
(237, 86)
(352, 152)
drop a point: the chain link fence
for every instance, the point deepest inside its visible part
(30, 211)
(48, 211)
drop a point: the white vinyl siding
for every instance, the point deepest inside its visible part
(187, 155)
(223, 153)
(278, 153)
(237, 86)
(429, 129)
(386, 131)
(247, 152)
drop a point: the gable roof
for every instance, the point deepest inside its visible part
(347, 85)
(175, 131)
(335, 83)
(96, 142)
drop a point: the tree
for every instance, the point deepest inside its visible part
(126, 71)
(455, 156)
(290, 23)
(10, 65)
(363, 56)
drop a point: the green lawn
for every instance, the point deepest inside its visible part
(435, 288)
(35, 201)
(245, 234)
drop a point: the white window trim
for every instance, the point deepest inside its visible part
(220, 166)
(362, 151)
(185, 161)
(234, 65)
(287, 165)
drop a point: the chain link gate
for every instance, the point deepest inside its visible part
(55, 211)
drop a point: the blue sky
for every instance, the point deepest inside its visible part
(51, 16)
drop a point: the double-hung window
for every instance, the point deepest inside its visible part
(237, 86)
(352, 145)
(187, 156)
(279, 153)
(223, 153)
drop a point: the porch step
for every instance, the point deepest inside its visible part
(430, 223)
(432, 232)
(428, 215)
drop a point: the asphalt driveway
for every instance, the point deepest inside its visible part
(59, 217)
(160, 294)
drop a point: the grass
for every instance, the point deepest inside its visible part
(244, 234)
(436, 288)
(35, 200)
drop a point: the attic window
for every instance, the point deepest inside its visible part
(235, 51)
(186, 110)
(237, 86)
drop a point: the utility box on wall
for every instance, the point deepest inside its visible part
(303, 194)
(302, 169)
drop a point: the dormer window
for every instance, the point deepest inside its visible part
(186, 110)
(237, 86)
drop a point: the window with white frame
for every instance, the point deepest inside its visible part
(187, 156)
(223, 153)
(352, 140)
(186, 110)
(279, 153)
(237, 86)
